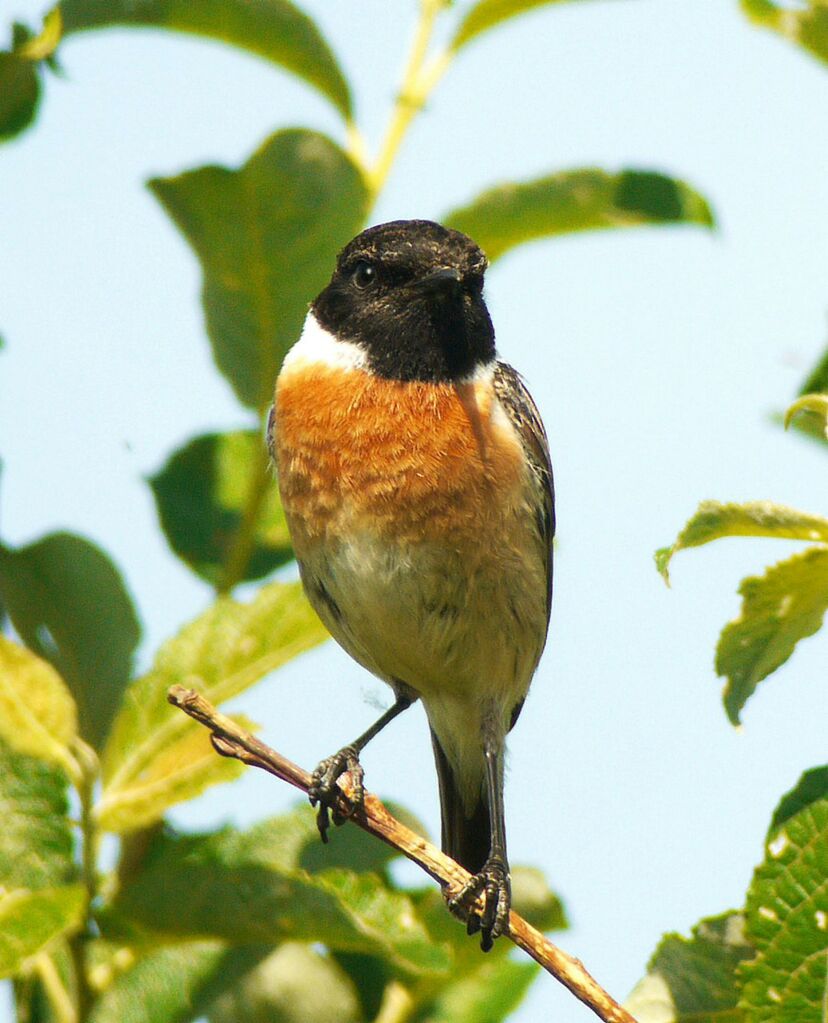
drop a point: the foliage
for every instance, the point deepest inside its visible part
(263, 924)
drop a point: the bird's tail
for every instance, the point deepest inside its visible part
(466, 833)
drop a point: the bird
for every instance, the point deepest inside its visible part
(415, 477)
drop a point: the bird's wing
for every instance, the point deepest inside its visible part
(523, 413)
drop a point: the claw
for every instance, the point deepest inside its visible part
(492, 888)
(324, 791)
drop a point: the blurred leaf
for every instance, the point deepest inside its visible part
(806, 24)
(267, 236)
(486, 14)
(487, 993)
(811, 788)
(787, 921)
(781, 607)
(36, 842)
(577, 200)
(43, 45)
(176, 984)
(276, 30)
(714, 520)
(817, 379)
(30, 920)
(693, 980)
(245, 887)
(19, 94)
(295, 984)
(68, 603)
(814, 403)
(37, 713)
(223, 652)
(535, 901)
(181, 771)
(201, 495)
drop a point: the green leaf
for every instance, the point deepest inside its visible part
(276, 30)
(693, 980)
(814, 403)
(246, 888)
(811, 787)
(43, 45)
(806, 24)
(176, 984)
(69, 604)
(201, 495)
(576, 200)
(714, 520)
(487, 993)
(535, 901)
(781, 607)
(36, 842)
(485, 14)
(267, 236)
(29, 921)
(19, 94)
(817, 379)
(295, 984)
(37, 712)
(181, 771)
(787, 921)
(223, 652)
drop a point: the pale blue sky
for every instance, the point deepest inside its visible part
(655, 356)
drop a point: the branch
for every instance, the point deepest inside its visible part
(231, 741)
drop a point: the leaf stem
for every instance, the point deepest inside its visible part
(244, 541)
(397, 1004)
(88, 763)
(56, 992)
(418, 81)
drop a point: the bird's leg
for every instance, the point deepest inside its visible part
(323, 788)
(492, 884)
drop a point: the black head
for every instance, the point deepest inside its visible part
(410, 293)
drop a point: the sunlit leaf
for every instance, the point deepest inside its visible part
(295, 984)
(811, 788)
(31, 920)
(69, 604)
(36, 840)
(44, 44)
(694, 980)
(201, 495)
(265, 897)
(175, 984)
(37, 712)
(780, 608)
(486, 14)
(805, 24)
(787, 921)
(276, 30)
(535, 901)
(181, 771)
(714, 520)
(576, 200)
(816, 404)
(267, 236)
(223, 652)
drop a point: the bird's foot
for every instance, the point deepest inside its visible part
(325, 792)
(484, 901)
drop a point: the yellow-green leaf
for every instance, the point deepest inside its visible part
(814, 403)
(41, 46)
(19, 94)
(577, 200)
(37, 712)
(781, 607)
(486, 14)
(180, 772)
(29, 921)
(222, 653)
(805, 24)
(714, 520)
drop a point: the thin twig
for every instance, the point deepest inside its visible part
(232, 741)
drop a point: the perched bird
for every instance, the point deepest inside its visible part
(415, 477)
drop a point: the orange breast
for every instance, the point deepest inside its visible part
(414, 461)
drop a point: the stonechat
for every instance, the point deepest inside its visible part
(415, 477)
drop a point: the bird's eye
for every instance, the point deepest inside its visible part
(363, 275)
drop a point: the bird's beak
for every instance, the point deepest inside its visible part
(445, 281)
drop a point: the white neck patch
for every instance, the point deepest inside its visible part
(317, 346)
